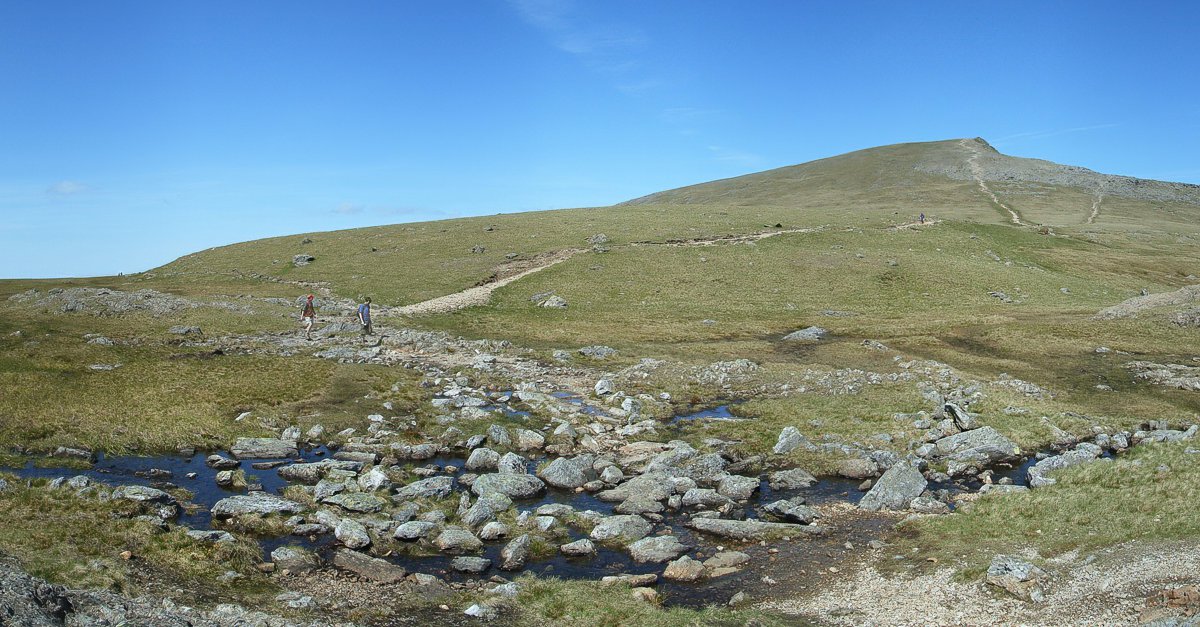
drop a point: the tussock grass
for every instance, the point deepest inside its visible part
(1148, 494)
(66, 538)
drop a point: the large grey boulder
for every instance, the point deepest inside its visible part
(375, 479)
(515, 553)
(352, 533)
(652, 485)
(512, 464)
(413, 530)
(259, 503)
(433, 487)
(791, 439)
(792, 510)
(360, 502)
(807, 334)
(684, 569)
(1082, 454)
(895, 489)
(512, 486)
(482, 459)
(263, 448)
(622, 528)
(485, 509)
(751, 529)
(578, 548)
(368, 567)
(567, 474)
(657, 549)
(704, 497)
(790, 479)
(470, 564)
(294, 560)
(737, 487)
(142, 494)
(455, 540)
(1020, 578)
(312, 472)
(975, 449)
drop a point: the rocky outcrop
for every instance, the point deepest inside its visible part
(895, 489)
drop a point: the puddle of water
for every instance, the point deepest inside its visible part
(720, 412)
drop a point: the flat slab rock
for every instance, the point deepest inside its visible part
(751, 529)
(375, 569)
(264, 448)
(254, 503)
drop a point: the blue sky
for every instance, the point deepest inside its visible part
(135, 132)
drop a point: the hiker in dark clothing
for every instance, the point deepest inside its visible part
(364, 317)
(308, 316)
(922, 217)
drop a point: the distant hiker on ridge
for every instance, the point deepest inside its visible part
(364, 317)
(308, 316)
(922, 217)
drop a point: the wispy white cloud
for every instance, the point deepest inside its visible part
(608, 48)
(1051, 133)
(348, 209)
(67, 188)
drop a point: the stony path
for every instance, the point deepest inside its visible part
(1096, 204)
(977, 174)
(1110, 588)
(481, 294)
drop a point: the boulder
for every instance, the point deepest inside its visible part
(792, 510)
(975, 449)
(512, 486)
(790, 479)
(220, 462)
(367, 567)
(1082, 454)
(498, 436)
(737, 487)
(482, 459)
(684, 569)
(567, 474)
(529, 440)
(750, 529)
(413, 530)
(514, 554)
(352, 533)
(512, 464)
(143, 494)
(455, 540)
(493, 531)
(578, 548)
(621, 528)
(485, 509)
(311, 473)
(807, 334)
(433, 487)
(357, 502)
(1020, 578)
(294, 560)
(259, 503)
(791, 439)
(657, 549)
(375, 479)
(895, 489)
(470, 564)
(264, 448)
(858, 468)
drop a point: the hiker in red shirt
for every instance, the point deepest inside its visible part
(307, 317)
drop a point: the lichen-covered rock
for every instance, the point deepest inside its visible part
(657, 549)
(512, 486)
(259, 503)
(622, 528)
(895, 489)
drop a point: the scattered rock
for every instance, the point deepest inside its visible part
(895, 489)
(1022, 579)
(368, 567)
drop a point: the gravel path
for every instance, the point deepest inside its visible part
(1111, 589)
(977, 174)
